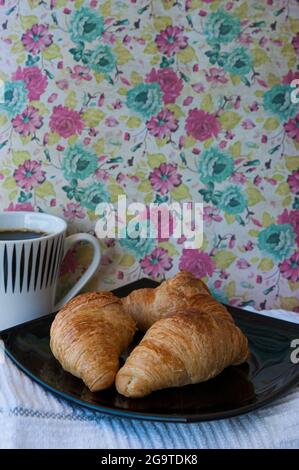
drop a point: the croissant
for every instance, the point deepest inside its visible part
(188, 347)
(147, 306)
(89, 334)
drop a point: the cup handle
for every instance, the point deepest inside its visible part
(69, 242)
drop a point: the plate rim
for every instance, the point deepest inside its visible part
(160, 417)
(143, 416)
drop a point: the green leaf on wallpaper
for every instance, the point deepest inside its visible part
(161, 142)
(148, 198)
(71, 100)
(151, 48)
(259, 56)
(230, 219)
(293, 285)
(92, 117)
(17, 47)
(242, 10)
(19, 157)
(145, 186)
(169, 247)
(265, 264)
(13, 195)
(235, 149)
(207, 103)
(52, 52)
(41, 107)
(155, 159)
(161, 22)
(33, 3)
(189, 142)
(21, 59)
(105, 8)
(181, 192)
(3, 119)
(283, 189)
(229, 120)
(122, 91)
(71, 140)
(135, 78)
(267, 219)
(126, 260)
(133, 122)
(230, 289)
(254, 196)
(28, 21)
(253, 233)
(186, 55)
(122, 54)
(271, 124)
(287, 201)
(53, 138)
(9, 183)
(224, 259)
(45, 189)
(175, 109)
(292, 163)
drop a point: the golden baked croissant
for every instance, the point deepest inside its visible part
(147, 306)
(89, 334)
(187, 347)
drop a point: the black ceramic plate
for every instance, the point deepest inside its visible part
(268, 374)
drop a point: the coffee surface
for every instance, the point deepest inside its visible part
(17, 234)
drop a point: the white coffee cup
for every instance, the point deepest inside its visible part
(29, 268)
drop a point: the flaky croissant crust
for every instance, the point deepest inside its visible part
(187, 347)
(89, 334)
(149, 305)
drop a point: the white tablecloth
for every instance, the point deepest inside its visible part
(30, 417)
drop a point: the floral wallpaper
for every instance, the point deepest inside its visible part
(160, 100)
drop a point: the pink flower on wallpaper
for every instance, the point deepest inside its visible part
(163, 124)
(290, 217)
(27, 122)
(216, 75)
(164, 178)
(37, 38)
(69, 263)
(289, 268)
(292, 128)
(25, 206)
(36, 81)
(171, 40)
(210, 214)
(290, 76)
(72, 211)
(202, 125)
(29, 174)
(66, 122)
(196, 262)
(243, 264)
(293, 181)
(80, 73)
(170, 84)
(295, 43)
(156, 263)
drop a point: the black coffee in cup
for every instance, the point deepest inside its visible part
(20, 234)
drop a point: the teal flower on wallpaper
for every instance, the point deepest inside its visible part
(135, 242)
(221, 27)
(233, 200)
(278, 101)
(102, 59)
(86, 25)
(238, 62)
(145, 99)
(215, 165)
(277, 240)
(94, 195)
(78, 162)
(14, 98)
